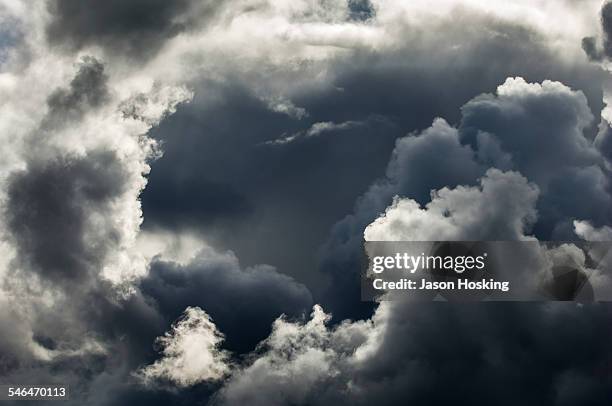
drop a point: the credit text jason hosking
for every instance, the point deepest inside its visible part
(435, 265)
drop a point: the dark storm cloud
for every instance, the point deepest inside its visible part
(473, 354)
(418, 164)
(276, 205)
(436, 354)
(507, 130)
(550, 120)
(136, 28)
(48, 208)
(243, 191)
(440, 353)
(57, 210)
(243, 303)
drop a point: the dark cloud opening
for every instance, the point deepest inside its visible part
(361, 10)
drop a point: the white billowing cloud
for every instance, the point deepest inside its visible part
(588, 232)
(501, 208)
(190, 352)
(297, 362)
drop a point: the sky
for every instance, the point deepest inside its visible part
(186, 187)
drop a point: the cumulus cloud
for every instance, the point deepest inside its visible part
(401, 355)
(520, 119)
(505, 202)
(190, 352)
(295, 364)
(506, 130)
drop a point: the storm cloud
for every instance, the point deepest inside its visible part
(183, 182)
(136, 28)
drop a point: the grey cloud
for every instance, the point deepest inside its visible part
(49, 208)
(419, 164)
(407, 352)
(135, 28)
(65, 216)
(296, 364)
(501, 208)
(518, 345)
(243, 302)
(243, 192)
(527, 119)
(591, 49)
(268, 193)
(88, 89)
(512, 127)
(274, 205)
(435, 354)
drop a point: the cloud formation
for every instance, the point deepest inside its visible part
(94, 99)
(505, 202)
(243, 302)
(136, 28)
(190, 352)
